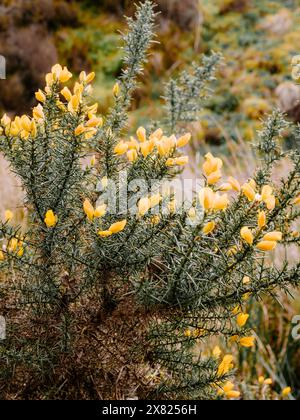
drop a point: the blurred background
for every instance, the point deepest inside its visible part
(258, 39)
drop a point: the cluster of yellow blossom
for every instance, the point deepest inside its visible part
(147, 203)
(210, 199)
(25, 126)
(268, 242)
(92, 212)
(228, 391)
(15, 244)
(266, 195)
(113, 229)
(157, 143)
(22, 126)
(264, 381)
(100, 211)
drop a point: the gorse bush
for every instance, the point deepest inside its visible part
(116, 282)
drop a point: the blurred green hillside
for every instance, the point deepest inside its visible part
(258, 38)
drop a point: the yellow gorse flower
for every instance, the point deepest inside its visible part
(50, 219)
(206, 198)
(286, 391)
(228, 391)
(118, 226)
(40, 96)
(234, 183)
(208, 228)
(141, 134)
(184, 140)
(247, 235)
(262, 219)
(226, 365)
(66, 93)
(211, 164)
(121, 148)
(273, 236)
(242, 319)
(38, 113)
(247, 342)
(88, 209)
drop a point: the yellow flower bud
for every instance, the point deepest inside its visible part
(268, 381)
(266, 245)
(181, 161)
(66, 93)
(157, 135)
(20, 253)
(118, 227)
(172, 206)
(242, 319)
(132, 155)
(221, 202)
(208, 228)
(141, 134)
(266, 192)
(214, 177)
(79, 130)
(286, 392)
(50, 219)
(90, 77)
(233, 394)
(247, 342)
(26, 123)
(95, 122)
(270, 202)
(146, 148)
(104, 233)
(49, 80)
(226, 365)
(234, 183)
(225, 187)
(247, 235)
(5, 120)
(206, 198)
(38, 113)
(40, 96)
(297, 200)
(73, 105)
(121, 148)
(88, 209)
(211, 164)
(262, 219)
(65, 75)
(249, 192)
(184, 140)
(273, 236)
(133, 144)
